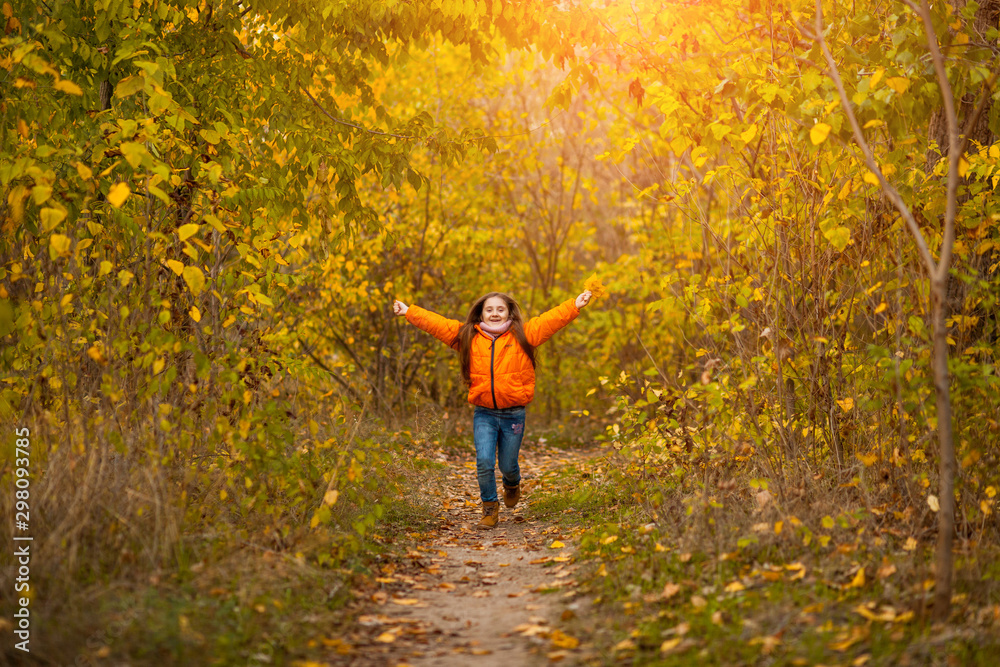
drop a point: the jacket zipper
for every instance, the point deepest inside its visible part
(493, 391)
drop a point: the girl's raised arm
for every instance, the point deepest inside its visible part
(442, 328)
(539, 329)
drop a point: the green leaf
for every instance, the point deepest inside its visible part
(839, 237)
(129, 86)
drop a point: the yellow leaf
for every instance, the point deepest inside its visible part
(195, 314)
(963, 167)
(609, 539)
(184, 232)
(406, 602)
(911, 544)
(556, 545)
(871, 178)
(625, 645)
(262, 299)
(847, 404)
(670, 644)
(331, 496)
(386, 638)
(95, 353)
(59, 245)
(984, 505)
(749, 134)
(85, 172)
(158, 366)
(595, 286)
(562, 640)
(51, 217)
(778, 525)
(118, 193)
(68, 87)
(876, 77)
(735, 587)
(881, 307)
(875, 122)
(125, 277)
(858, 581)
(845, 191)
(819, 133)
(868, 459)
(932, 502)
(194, 278)
(175, 266)
(898, 83)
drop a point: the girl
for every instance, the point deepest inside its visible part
(497, 350)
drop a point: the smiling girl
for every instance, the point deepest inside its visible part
(497, 350)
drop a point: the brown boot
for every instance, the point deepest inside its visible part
(491, 515)
(511, 494)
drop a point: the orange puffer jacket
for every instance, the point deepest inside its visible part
(502, 375)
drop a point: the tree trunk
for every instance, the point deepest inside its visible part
(946, 443)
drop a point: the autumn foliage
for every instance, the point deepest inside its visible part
(208, 208)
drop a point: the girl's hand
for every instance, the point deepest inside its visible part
(399, 307)
(583, 299)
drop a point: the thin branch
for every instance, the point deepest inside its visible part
(356, 127)
(974, 118)
(940, 272)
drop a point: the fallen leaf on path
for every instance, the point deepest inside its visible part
(386, 638)
(858, 581)
(670, 644)
(481, 594)
(625, 645)
(562, 640)
(557, 545)
(531, 629)
(767, 644)
(406, 602)
(846, 640)
(886, 570)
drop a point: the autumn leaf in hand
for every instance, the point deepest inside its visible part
(595, 286)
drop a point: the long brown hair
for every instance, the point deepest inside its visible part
(468, 331)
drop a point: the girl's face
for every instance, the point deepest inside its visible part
(495, 310)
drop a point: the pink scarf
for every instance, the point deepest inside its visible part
(494, 331)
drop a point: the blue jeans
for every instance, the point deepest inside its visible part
(497, 434)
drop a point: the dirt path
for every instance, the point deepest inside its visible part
(461, 592)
